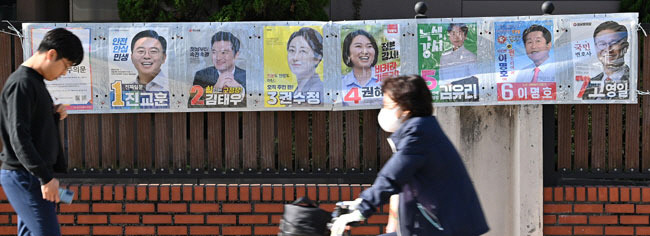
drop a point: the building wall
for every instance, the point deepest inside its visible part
(596, 210)
(206, 209)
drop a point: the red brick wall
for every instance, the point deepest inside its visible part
(597, 210)
(206, 209)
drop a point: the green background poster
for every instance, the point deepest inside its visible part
(433, 41)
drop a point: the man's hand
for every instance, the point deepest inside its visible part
(226, 80)
(223, 79)
(60, 108)
(51, 190)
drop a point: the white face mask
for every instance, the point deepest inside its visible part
(388, 120)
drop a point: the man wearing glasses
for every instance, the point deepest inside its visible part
(149, 51)
(611, 43)
(224, 73)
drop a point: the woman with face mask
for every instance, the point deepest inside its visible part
(436, 195)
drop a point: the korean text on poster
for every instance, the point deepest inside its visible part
(293, 68)
(370, 53)
(73, 89)
(217, 66)
(447, 61)
(524, 61)
(138, 74)
(600, 59)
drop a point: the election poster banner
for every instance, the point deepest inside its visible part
(599, 51)
(369, 54)
(137, 68)
(524, 60)
(217, 64)
(293, 68)
(447, 60)
(74, 89)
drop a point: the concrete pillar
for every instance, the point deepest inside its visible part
(502, 150)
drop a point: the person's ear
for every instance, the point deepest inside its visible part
(51, 55)
(405, 113)
(236, 55)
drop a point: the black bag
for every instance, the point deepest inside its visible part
(303, 217)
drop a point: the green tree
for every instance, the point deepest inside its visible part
(264, 10)
(640, 6)
(221, 10)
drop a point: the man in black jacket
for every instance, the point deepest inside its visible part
(32, 150)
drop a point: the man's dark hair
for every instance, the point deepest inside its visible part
(533, 28)
(348, 41)
(66, 44)
(150, 34)
(226, 36)
(461, 26)
(411, 93)
(611, 25)
(313, 38)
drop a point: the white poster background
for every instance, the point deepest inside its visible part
(75, 87)
(584, 53)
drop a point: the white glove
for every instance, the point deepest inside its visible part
(350, 205)
(342, 221)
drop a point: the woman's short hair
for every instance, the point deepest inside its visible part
(411, 93)
(313, 38)
(348, 41)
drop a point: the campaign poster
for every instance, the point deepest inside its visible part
(447, 60)
(370, 53)
(216, 60)
(524, 60)
(601, 58)
(74, 89)
(137, 68)
(293, 66)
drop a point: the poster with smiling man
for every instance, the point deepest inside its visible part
(138, 73)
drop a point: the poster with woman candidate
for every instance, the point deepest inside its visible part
(524, 60)
(447, 61)
(293, 68)
(137, 71)
(74, 89)
(216, 64)
(370, 53)
(601, 60)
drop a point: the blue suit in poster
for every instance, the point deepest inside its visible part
(523, 49)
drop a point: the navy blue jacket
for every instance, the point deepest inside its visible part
(426, 169)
